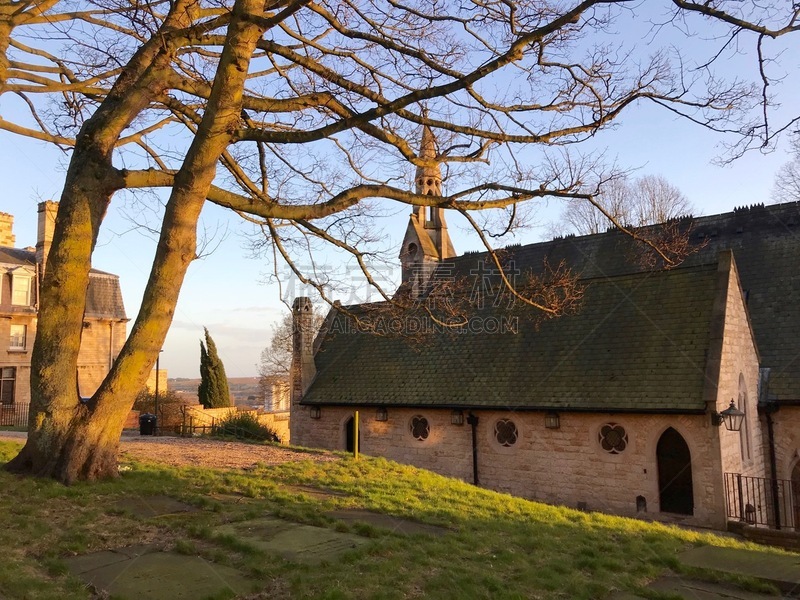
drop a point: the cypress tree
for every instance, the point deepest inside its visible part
(213, 389)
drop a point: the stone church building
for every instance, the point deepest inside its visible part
(617, 407)
(104, 321)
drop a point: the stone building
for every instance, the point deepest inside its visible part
(157, 379)
(615, 407)
(104, 323)
(275, 393)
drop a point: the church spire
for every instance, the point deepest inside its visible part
(429, 177)
(427, 241)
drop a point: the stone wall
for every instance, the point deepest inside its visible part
(731, 373)
(741, 452)
(562, 466)
(7, 237)
(787, 440)
(132, 420)
(150, 384)
(207, 416)
(101, 342)
(567, 465)
(279, 397)
(19, 359)
(790, 540)
(278, 422)
(787, 456)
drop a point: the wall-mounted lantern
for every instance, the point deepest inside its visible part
(552, 420)
(731, 416)
(315, 412)
(457, 417)
(381, 414)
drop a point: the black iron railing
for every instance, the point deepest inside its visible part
(14, 415)
(761, 501)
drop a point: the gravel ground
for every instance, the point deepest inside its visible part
(202, 451)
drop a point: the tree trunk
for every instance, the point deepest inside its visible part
(67, 439)
(75, 445)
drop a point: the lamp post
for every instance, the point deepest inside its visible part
(158, 369)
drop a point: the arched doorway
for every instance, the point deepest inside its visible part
(796, 494)
(674, 474)
(349, 435)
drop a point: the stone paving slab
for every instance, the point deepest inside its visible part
(314, 492)
(695, 590)
(293, 541)
(388, 522)
(139, 572)
(782, 570)
(152, 506)
(704, 590)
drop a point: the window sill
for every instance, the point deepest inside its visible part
(17, 350)
(16, 309)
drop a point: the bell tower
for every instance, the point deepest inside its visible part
(427, 241)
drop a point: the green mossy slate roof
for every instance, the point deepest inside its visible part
(765, 241)
(638, 344)
(767, 255)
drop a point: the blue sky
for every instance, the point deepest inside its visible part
(226, 291)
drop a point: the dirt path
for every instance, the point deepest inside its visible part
(202, 451)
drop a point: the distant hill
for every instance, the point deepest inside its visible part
(242, 388)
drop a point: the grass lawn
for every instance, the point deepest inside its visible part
(498, 546)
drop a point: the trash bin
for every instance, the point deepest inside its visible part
(147, 424)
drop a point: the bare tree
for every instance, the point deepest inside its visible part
(582, 217)
(299, 115)
(764, 25)
(643, 201)
(656, 200)
(787, 179)
(276, 358)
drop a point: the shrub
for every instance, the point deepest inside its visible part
(245, 425)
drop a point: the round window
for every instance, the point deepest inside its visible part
(420, 429)
(613, 438)
(505, 432)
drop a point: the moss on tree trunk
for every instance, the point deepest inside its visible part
(70, 440)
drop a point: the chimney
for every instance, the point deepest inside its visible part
(44, 233)
(303, 368)
(7, 230)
